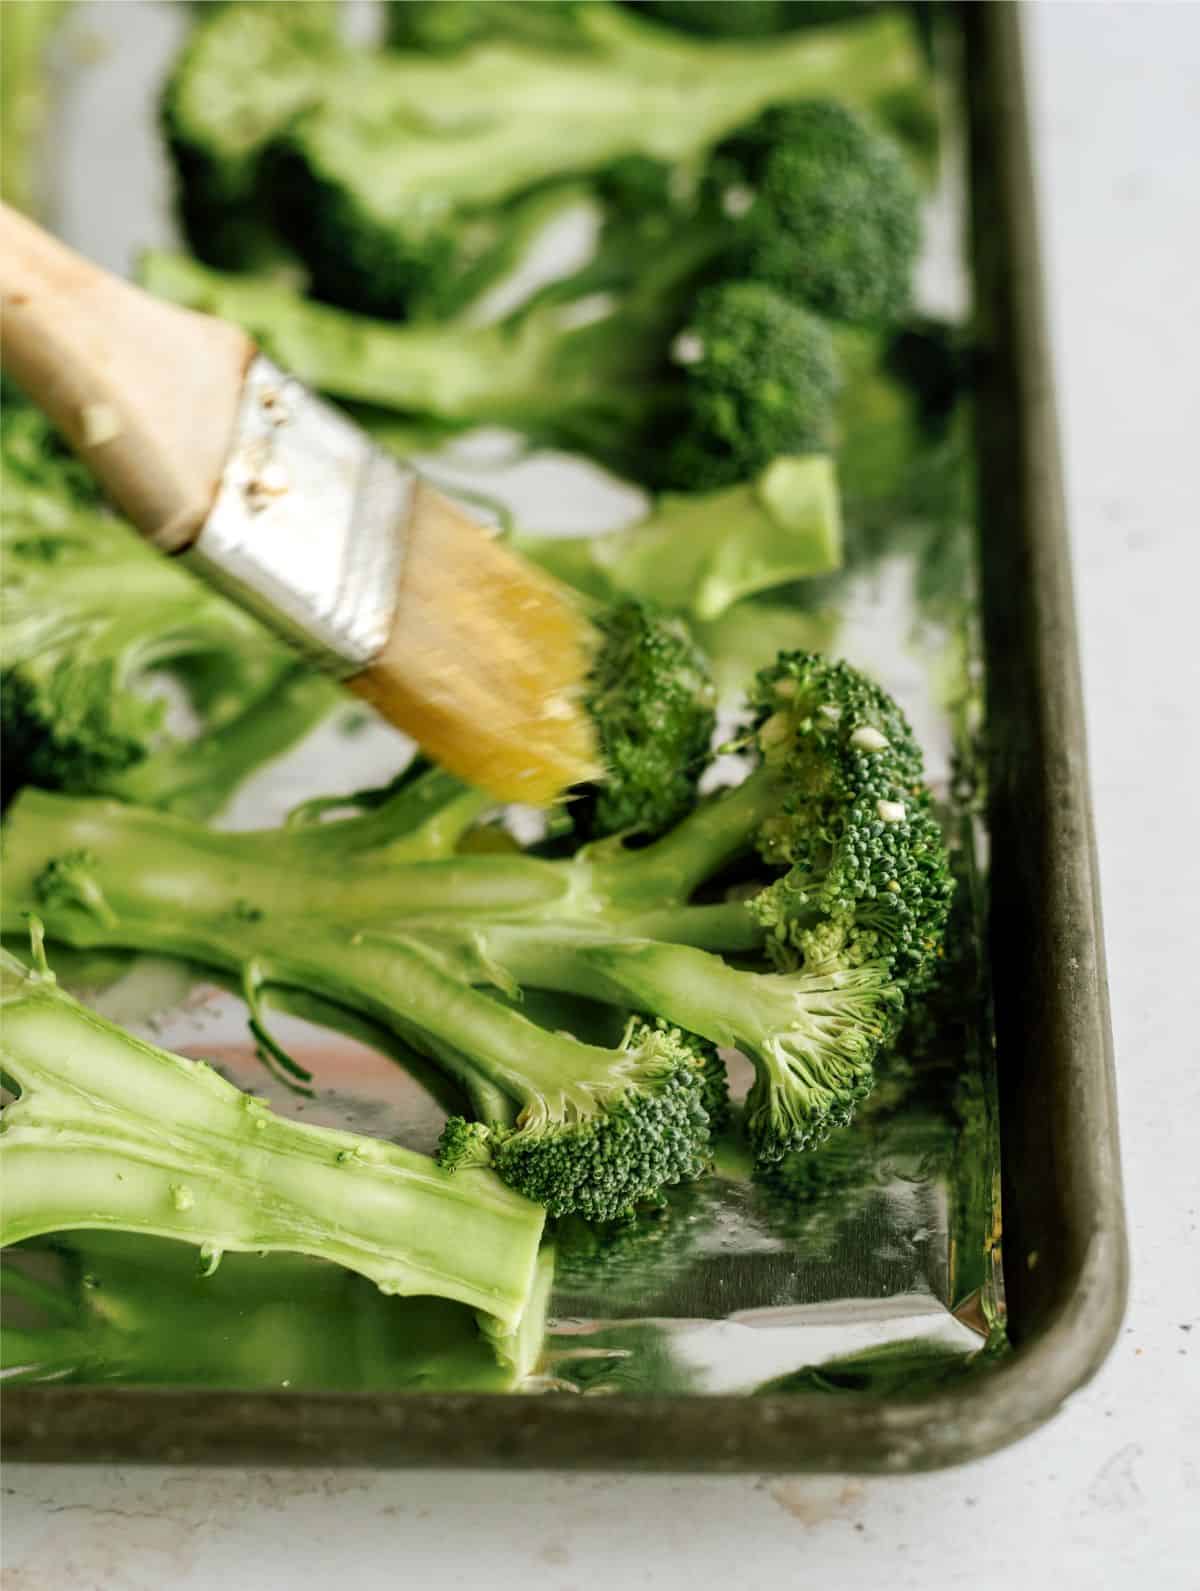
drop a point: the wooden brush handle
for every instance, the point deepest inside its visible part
(146, 393)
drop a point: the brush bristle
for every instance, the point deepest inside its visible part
(485, 664)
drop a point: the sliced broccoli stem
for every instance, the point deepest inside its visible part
(105, 875)
(403, 167)
(398, 980)
(143, 864)
(125, 891)
(112, 1133)
(701, 553)
(534, 372)
(90, 864)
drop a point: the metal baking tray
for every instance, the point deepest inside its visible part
(690, 1374)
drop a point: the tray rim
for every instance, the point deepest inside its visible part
(1081, 1310)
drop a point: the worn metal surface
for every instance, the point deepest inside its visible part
(309, 524)
(1061, 1178)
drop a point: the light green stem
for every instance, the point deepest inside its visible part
(112, 1133)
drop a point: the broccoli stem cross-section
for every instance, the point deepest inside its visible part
(115, 1134)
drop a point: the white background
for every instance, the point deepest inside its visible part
(1112, 1488)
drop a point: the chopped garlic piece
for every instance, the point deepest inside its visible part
(736, 200)
(687, 349)
(891, 811)
(868, 739)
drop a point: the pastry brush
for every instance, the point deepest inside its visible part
(295, 513)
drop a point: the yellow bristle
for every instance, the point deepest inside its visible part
(485, 664)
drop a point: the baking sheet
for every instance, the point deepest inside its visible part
(729, 1290)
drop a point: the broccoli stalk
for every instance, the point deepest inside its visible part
(848, 906)
(699, 553)
(91, 615)
(400, 174)
(697, 361)
(115, 1134)
(661, 386)
(575, 1126)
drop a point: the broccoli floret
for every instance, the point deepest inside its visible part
(247, 68)
(761, 383)
(112, 1133)
(651, 698)
(866, 880)
(579, 1126)
(847, 902)
(835, 214)
(699, 364)
(700, 553)
(625, 1125)
(806, 198)
(92, 617)
(705, 398)
(403, 171)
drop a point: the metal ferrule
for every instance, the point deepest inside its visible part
(308, 529)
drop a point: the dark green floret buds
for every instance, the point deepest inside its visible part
(652, 699)
(605, 1140)
(835, 218)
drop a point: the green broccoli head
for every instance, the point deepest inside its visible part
(652, 700)
(852, 890)
(355, 257)
(760, 382)
(814, 1037)
(599, 1147)
(71, 727)
(866, 880)
(243, 73)
(41, 479)
(833, 215)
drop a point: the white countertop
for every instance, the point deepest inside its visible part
(1112, 1487)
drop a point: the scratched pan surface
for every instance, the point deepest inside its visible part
(738, 1331)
